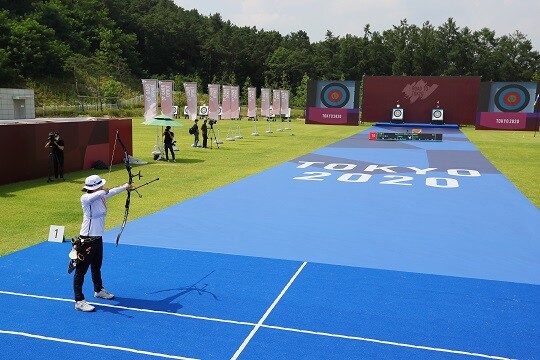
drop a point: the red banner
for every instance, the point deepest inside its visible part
(191, 97)
(285, 103)
(265, 102)
(213, 101)
(166, 88)
(276, 102)
(252, 102)
(150, 98)
(226, 102)
(235, 102)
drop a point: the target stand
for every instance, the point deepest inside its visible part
(255, 132)
(238, 134)
(268, 128)
(230, 135)
(218, 138)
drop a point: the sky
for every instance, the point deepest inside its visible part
(344, 17)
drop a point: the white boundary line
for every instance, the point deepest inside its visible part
(385, 342)
(268, 311)
(83, 343)
(133, 309)
(259, 325)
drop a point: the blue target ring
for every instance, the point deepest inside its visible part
(512, 98)
(335, 95)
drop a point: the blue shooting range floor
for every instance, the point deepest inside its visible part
(359, 250)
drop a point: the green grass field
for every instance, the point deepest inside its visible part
(29, 208)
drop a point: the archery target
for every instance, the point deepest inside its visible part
(437, 114)
(335, 95)
(397, 114)
(203, 110)
(512, 98)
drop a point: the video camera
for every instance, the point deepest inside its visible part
(52, 138)
(211, 122)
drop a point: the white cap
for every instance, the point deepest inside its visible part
(93, 182)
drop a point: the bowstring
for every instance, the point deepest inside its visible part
(112, 157)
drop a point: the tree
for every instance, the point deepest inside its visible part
(349, 57)
(517, 61)
(244, 93)
(94, 78)
(448, 43)
(300, 98)
(33, 49)
(426, 56)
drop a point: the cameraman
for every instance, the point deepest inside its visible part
(168, 141)
(56, 146)
(204, 130)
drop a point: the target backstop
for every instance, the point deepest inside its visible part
(333, 102)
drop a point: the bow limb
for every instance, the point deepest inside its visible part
(126, 213)
(130, 181)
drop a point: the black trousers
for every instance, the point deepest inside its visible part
(58, 165)
(204, 140)
(169, 146)
(93, 258)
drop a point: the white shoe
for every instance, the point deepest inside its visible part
(104, 294)
(83, 306)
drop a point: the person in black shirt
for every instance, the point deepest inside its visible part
(168, 141)
(195, 128)
(56, 146)
(204, 130)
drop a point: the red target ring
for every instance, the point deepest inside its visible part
(335, 95)
(512, 98)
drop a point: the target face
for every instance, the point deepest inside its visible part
(397, 114)
(512, 98)
(203, 110)
(437, 114)
(335, 95)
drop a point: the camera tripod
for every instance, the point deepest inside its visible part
(52, 159)
(213, 136)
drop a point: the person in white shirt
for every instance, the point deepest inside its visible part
(90, 248)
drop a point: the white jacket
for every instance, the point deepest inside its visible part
(94, 208)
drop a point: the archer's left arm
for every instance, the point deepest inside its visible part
(118, 190)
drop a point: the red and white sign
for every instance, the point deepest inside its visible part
(213, 101)
(166, 88)
(265, 102)
(276, 102)
(226, 102)
(503, 120)
(235, 102)
(252, 102)
(191, 97)
(328, 116)
(150, 88)
(284, 102)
